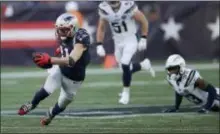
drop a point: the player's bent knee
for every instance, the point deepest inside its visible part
(64, 101)
(125, 61)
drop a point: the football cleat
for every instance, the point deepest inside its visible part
(47, 119)
(146, 65)
(26, 108)
(125, 97)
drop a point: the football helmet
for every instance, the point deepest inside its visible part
(66, 25)
(175, 65)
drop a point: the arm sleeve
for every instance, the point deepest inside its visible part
(178, 97)
(178, 100)
(211, 96)
(82, 37)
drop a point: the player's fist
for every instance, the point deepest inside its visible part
(57, 51)
(42, 60)
(142, 45)
(100, 50)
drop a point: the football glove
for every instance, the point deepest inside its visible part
(42, 60)
(142, 44)
(203, 111)
(58, 51)
(170, 110)
(100, 50)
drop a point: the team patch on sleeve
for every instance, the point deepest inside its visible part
(190, 78)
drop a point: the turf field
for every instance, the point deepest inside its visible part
(96, 109)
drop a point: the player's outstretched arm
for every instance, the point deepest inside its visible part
(201, 84)
(101, 30)
(70, 60)
(100, 37)
(178, 101)
(139, 17)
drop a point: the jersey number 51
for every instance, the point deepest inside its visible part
(118, 27)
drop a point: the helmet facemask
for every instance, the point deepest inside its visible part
(66, 26)
(65, 31)
(114, 4)
(174, 72)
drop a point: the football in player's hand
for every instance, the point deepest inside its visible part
(42, 60)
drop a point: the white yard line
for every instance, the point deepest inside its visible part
(99, 71)
(65, 127)
(189, 114)
(96, 84)
(116, 84)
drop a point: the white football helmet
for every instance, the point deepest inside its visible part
(66, 25)
(175, 60)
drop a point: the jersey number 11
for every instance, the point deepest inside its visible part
(118, 27)
(64, 51)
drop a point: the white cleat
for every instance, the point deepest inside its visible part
(124, 98)
(152, 72)
(146, 65)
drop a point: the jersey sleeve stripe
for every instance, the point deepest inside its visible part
(131, 8)
(103, 11)
(189, 79)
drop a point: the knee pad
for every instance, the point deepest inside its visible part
(64, 101)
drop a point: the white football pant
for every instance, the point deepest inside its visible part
(68, 87)
(125, 49)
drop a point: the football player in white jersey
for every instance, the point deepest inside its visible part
(189, 84)
(122, 17)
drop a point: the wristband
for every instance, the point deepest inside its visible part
(144, 36)
(98, 43)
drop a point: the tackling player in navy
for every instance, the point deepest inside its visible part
(68, 72)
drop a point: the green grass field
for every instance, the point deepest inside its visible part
(101, 91)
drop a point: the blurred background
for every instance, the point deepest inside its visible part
(187, 28)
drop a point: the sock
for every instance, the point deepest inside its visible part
(39, 96)
(135, 67)
(126, 75)
(126, 89)
(56, 110)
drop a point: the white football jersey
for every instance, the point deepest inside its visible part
(121, 22)
(186, 87)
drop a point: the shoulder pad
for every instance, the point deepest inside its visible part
(102, 7)
(82, 37)
(130, 6)
(192, 77)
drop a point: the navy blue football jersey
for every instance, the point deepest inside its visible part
(78, 71)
